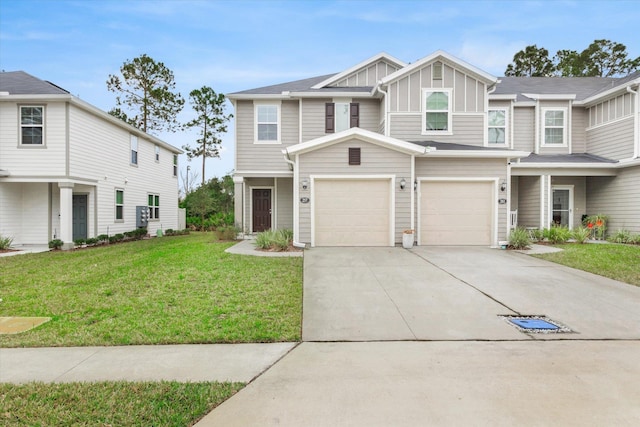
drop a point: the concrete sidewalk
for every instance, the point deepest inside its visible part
(191, 362)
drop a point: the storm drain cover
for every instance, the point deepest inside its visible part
(536, 324)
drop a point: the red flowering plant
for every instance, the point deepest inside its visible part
(598, 226)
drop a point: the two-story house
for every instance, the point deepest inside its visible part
(68, 170)
(437, 146)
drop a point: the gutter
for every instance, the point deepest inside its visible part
(386, 109)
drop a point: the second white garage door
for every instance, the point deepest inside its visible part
(352, 212)
(456, 212)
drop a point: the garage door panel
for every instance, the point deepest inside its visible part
(456, 213)
(352, 212)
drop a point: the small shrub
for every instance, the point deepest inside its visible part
(5, 242)
(280, 243)
(140, 232)
(169, 232)
(130, 234)
(598, 225)
(519, 238)
(636, 239)
(621, 236)
(287, 234)
(557, 234)
(536, 235)
(56, 244)
(79, 242)
(265, 239)
(92, 241)
(581, 234)
(103, 238)
(228, 232)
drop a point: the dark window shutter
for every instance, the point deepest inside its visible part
(354, 156)
(330, 117)
(354, 112)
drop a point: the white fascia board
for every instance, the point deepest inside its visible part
(336, 94)
(503, 97)
(357, 133)
(551, 96)
(35, 97)
(524, 104)
(560, 171)
(479, 154)
(38, 179)
(365, 63)
(442, 55)
(262, 174)
(608, 93)
(258, 96)
(564, 165)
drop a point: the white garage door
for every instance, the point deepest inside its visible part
(456, 212)
(350, 212)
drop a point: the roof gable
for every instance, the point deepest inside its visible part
(366, 73)
(360, 134)
(446, 58)
(21, 83)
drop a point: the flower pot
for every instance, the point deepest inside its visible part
(407, 239)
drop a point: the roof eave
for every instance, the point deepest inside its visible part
(482, 154)
(607, 93)
(339, 76)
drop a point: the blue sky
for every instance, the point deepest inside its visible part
(238, 45)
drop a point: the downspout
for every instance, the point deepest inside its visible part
(386, 109)
(636, 124)
(296, 200)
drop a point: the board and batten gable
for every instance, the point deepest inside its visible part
(333, 160)
(33, 161)
(368, 75)
(468, 104)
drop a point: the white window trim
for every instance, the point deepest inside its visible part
(115, 205)
(175, 165)
(278, 105)
(423, 107)
(565, 111)
(506, 127)
(20, 126)
(151, 207)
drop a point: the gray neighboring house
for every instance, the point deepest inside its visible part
(69, 170)
(437, 146)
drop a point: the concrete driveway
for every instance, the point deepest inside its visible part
(436, 352)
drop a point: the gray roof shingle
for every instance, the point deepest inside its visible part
(21, 83)
(582, 87)
(566, 158)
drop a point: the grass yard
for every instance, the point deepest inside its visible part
(619, 262)
(170, 290)
(111, 403)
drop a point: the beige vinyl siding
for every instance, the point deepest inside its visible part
(284, 203)
(514, 192)
(313, 116)
(405, 94)
(617, 197)
(468, 129)
(369, 75)
(468, 168)
(529, 201)
(260, 157)
(375, 160)
(10, 210)
(579, 194)
(35, 161)
(613, 140)
(523, 128)
(24, 212)
(579, 119)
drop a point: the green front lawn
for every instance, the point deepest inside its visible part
(111, 403)
(169, 290)
(619, 262)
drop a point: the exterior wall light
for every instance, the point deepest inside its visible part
(403, 183)
(503, 185)
(305, 184)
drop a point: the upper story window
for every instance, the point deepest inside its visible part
(32, 125)
(341, 116)
(437, 111)
(497, 126)
(267, 123)
(134, 150)
(154, 206)
(554, 129)
(119, 205)
(175, 165)
(157, 153)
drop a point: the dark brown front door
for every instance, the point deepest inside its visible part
(261, 210)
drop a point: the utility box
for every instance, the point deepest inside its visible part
(142, 216)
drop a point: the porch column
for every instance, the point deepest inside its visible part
(238, 206)
(66, 214)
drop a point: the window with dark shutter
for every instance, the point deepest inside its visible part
(354, 115)
(329, 120)
(354, 156)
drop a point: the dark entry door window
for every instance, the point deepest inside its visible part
(79, 217)
(261, 210)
